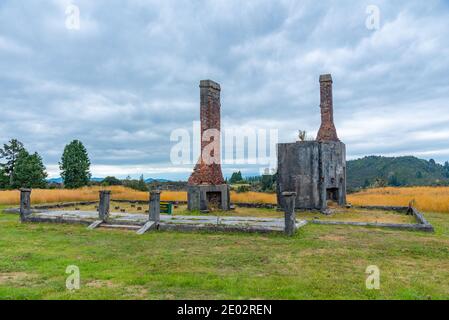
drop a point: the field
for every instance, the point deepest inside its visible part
(319, 262)
(40, 196)
(427, 199)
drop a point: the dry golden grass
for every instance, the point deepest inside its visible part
(118, 193)
(430, 199)
(435, 199)
(66, 195)
(253, 197)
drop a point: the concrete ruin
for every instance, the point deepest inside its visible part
(315, 170)
(207, 189)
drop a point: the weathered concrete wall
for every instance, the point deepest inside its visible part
(197, 196)
(311, 169)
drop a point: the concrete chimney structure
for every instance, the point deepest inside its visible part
(207, 189)
(314, 170)
(327, 130)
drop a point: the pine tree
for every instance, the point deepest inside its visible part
(75, 165)
(446, 168)
(10, 153)
(142, 186)
(4, 179)
(236, 177)
(29, 171)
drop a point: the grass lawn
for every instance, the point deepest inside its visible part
(327, 262)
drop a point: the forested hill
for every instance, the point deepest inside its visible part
(395, 171)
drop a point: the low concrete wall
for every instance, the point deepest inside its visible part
(415, 227)
(422, 225)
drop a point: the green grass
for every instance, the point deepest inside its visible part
(320, 262)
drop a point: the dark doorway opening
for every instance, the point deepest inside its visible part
(213, 200)
(332, 196)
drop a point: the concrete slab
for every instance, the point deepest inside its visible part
(169, 221)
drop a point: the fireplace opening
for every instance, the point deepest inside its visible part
(332, 197)
(213, 200)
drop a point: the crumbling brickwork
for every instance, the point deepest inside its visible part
(327, 130)
(207, 189)
(209, 172)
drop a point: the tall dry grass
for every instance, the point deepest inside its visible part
(431, 199)
(434, 199)
(39, 196)
(253, 197)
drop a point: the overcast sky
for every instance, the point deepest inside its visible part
(129, 76)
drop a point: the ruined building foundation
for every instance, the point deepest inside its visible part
(315, 170)
(207, 189)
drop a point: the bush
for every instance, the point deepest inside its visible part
(111, 181)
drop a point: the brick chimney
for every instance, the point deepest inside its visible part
(327, 130)
(209, 173)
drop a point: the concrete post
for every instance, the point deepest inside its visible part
(25, 203)
(103, 208)
(155, 206)
(290, 213)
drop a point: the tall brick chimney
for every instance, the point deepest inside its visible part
(209, 173)
(327, 130)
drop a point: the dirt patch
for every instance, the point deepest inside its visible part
(137, 292)
(101, 284)
(330, 237)
(13, 277)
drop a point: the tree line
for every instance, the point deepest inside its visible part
(22, 169)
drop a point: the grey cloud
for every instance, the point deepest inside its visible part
(130, 75)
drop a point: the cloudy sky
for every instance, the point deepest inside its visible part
(129, 75)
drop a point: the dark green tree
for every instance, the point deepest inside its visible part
(111, 181)
(75, 165)
(393, 181)
(446, 169)
(142, 186)
(10, 153)
(366, 183)
(29, 171)
(267, 182)
(236, 177)
(4, 179)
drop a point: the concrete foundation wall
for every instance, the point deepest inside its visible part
(316, 171)
(197, 196)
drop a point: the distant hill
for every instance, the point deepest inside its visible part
(59, 180)
(395, 171)
(55, 180)
(149, 180)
